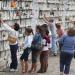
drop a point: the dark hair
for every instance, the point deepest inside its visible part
(71, 32)
(58, 26)
(16, 26)
(29, 30)
(47, 32)
(39, 28)
(44, 26)
(28, 26)
(32, 31)
(44, 29)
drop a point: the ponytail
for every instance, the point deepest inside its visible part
(32, 31)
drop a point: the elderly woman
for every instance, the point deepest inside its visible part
(67, 50)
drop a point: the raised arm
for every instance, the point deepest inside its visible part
(7, 27)
(46, 19)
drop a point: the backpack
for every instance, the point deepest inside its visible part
(37, 43)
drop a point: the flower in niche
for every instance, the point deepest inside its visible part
(13, 4)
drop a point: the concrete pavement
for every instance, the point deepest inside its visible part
(53, 68)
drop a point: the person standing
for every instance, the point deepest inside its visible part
(13, 42)
(36, 48)
(51, 23)
(27, 49)
(45, 51)
(67, 50)
(60, 31)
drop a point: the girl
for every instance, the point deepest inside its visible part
(13, 42)
(36, 47)
(27, 50)
(67, 51)
(44, 53)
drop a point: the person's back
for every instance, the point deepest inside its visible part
(37, 39)
(68, 44)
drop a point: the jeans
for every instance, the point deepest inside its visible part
(54, 44)
(14, 62)
(54, 38)
(65, 62)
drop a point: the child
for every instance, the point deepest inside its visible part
(36, 48)
(13, 42)
(45, 51)
(27, 50)
(45, 27)
(67, 51)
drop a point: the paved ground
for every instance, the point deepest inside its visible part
(53, 68)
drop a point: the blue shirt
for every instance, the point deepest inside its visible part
(68, 44)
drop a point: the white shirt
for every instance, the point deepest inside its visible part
(45, 48)
(11, 32)
(28, 41)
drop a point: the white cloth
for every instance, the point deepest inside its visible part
(28, 41)
(11, 32)
(45, 48)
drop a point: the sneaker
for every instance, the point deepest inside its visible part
(13, 70)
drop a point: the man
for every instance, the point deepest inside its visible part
(51, 23)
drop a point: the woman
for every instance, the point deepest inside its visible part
(67, 50)
(36, 48)
(13, 42)
(45, 51)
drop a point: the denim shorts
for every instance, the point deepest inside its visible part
(25, 54)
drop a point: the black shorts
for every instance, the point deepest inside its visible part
(25, 54)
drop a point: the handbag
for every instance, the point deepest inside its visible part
(11, 39)
(37, 43)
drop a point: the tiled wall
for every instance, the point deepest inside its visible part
(31, 13)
